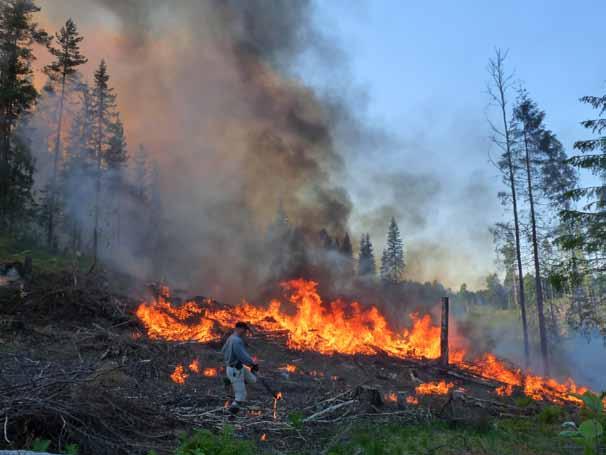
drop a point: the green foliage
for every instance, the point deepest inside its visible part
(40, 445)
(504, 437)
(71, 449)
(523, 401)
(392, 261)
(204, 442)
(296, 419)
(550, 415)
(590, 434)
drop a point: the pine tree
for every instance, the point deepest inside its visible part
(498, 89)
(346, 250)
(116, 158)
(366, 258)
(103, 132)
(547, 177)
(18, 33)
(588, 222)
(62, 72)
(392, 261)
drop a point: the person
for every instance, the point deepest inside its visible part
(236, 361)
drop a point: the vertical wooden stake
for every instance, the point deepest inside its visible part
(444, 334)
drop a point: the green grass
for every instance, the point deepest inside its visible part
(43, 259)
(503, 437)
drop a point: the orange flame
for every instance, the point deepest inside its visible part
(210, 372)
(340, 327)
(290, 368)
(194, 366)
(263, 437)
(392, 397)
(179, 376)
(434, 388)
(412, 400)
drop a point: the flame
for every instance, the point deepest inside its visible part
(434, 388)
(412, 400)
(179, 376)
(194, 366)
(340, 327)
(392, 397)
(263, 437)
(289, 368)
(210, 372)
(277, 398)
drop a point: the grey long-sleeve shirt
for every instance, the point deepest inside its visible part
(234, 352)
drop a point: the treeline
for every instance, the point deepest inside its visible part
(552, 247)
(66, 174)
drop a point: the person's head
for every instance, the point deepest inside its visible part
(241, 328)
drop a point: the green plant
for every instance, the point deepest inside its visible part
(523, 401)
(40, 445)
(590, 433)
(204, 442)
(296, 419)
(550, 415)
(71, 449)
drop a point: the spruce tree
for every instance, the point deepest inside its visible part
(346, 250)
(141, 174)
(366, 258)
(392, 261)
(103, 104)
(18, 33)
(588, 221)
(62, 72)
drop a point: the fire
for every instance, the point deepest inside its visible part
(290, 368)
(277, 398)
(179, 376)
(263, 437)
(210, 372)
(194, 366)
(412, 400)
(392, 397)
(340, 327)
(434, 388)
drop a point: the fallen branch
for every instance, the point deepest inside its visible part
(328, 410)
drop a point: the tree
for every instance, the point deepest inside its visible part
(103, 104)
(346, 250)
(588, 222)
(366, 258)
(116, 159)
(62, 71)
(18, 33)
(498, 88)
(392, 261)
(141, 174)
(547, 177)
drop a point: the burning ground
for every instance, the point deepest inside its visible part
(118, 375)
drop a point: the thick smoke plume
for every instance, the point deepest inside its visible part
(207, 87)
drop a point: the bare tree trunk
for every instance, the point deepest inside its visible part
(537, 264)
(500, 84)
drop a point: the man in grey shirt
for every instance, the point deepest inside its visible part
(236, 361)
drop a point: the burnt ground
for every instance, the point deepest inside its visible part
(78, 367)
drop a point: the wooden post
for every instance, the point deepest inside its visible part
(444, 334)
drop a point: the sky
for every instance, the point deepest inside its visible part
(423, 68)
(416, 72)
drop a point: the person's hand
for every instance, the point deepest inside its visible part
(254, 368)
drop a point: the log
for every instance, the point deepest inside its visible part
(317, 415)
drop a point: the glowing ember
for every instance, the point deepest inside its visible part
(392, 397)
(277, 398)
(412, 400)
(263, 437)
(340, 327)
(179, 376)
(210, 372)
(290, 368)
(194, 366)
(434, 388)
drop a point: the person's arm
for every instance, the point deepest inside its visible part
(242, 355)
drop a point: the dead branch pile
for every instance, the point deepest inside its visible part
(70, 404)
